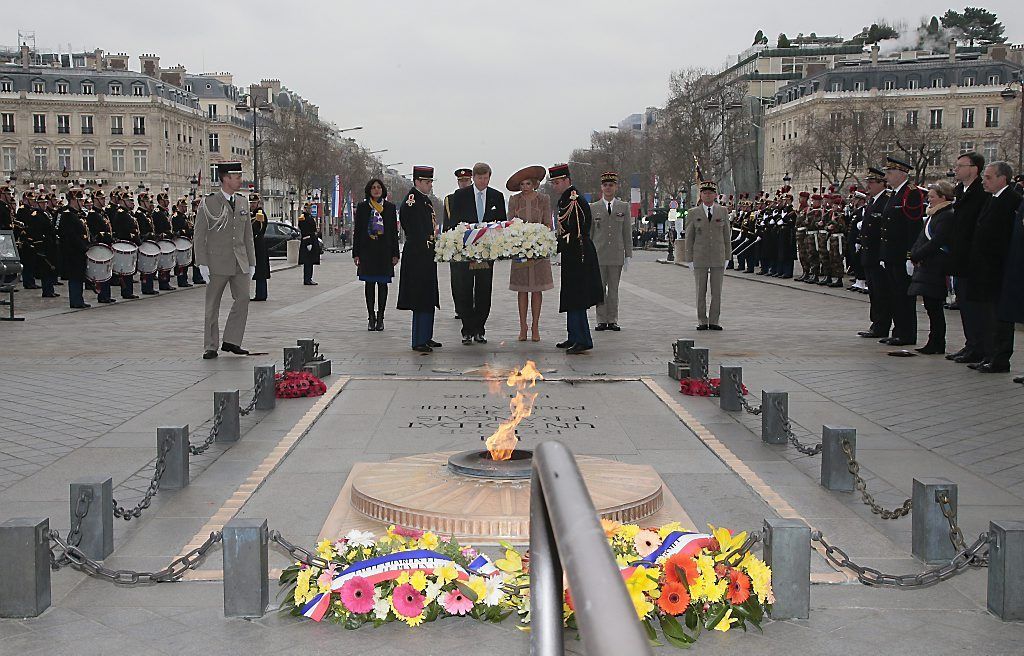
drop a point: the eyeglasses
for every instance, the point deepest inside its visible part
(963, 166)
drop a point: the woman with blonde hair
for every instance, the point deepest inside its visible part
(929, 257)
(530, 278)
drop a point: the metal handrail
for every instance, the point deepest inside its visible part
(565, 531)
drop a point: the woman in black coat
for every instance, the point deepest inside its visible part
(259, 231)
(309, 245)
(375, 248)
(930, 255)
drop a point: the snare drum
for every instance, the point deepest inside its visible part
(149, 257)
(184, 251)
(99, 263)
(167, 255)
(125, 257)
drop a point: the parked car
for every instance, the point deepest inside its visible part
(277, 237)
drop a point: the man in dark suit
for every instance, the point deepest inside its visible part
(986, 265)
(970, 199)
(901, 223)
(463, 178)
(870, 236)
(477, 203)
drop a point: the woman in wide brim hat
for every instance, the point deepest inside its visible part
(530, 277)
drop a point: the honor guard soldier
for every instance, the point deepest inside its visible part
(163, 230)
(126, 228)
(74, 242)
(870, 236)
(259, 230)
(787, 236)
(309, 244)
(417, 283)
(612, 224)
(802, 219)
(226, 255)
(855, 219)
(102, 233)
(6, 205)
(581, 270)
(26, 249)
(457, 270)
(707, 250)
(835, 228)
(901, 223)
(147, 232)
(182, 226)
(41, 236)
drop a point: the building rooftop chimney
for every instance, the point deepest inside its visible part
(952, 50)
(26, 56)
(874, 54)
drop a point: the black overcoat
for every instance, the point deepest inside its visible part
(417, 284)
(74, 242)
(376, 253)
(930, 254)
(259, 230)
(581, 273)
(1011, 302)
(990, 246)
(307, 227)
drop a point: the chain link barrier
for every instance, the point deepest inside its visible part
(969, 556)
(154, 485)
(173, 572)
(788, 429)
(298, 553)
(734, 559)
(218, 417)
(734, 376)
(869, 500)
(74, 538)
(956, 535)
(317, 356)
(260, 382)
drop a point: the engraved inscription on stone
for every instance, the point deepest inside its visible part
(480, 414)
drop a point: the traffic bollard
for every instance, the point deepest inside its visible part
(835, 466)
(787, 551)
(319, 368)
(266, 399)
(1006, 570)
(730, 387)
(176, 474)
(699, 362)
(24, 566)
(773, 425)
(246, 568)
(929, 536)
(229, 430)
(96, 528)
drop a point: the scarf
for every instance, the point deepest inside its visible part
(375, 228)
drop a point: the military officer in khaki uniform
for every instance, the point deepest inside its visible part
(226, 255)
(613, 239)
(708, 248)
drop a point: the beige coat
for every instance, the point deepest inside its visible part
(612, 235)
(223, 240)
(708, 243)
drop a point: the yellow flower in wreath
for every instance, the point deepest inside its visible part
(429, 541)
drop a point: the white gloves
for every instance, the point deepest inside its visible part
(726, 263)
(856, 248)
(882, 264)
(309, 247)
(625, 263)
(204, 271)
(910, 268)
(252, 271)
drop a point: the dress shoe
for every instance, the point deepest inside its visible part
(57, 283)
(33, 287)
(896, 341)
(254, 300)
(310, 282)
(480, 339)
(151, 293)
(702, 326)
(107, 300)
(601, 326)
(714, 326)
(885, 340)
(1019, 379)
(836, 283)
(371, 323)
(432, 344)
(467, 341)
(200, 282)
(53, 295)
(953, 356)
(423, 348)
(81, 307)
(209, 355)
(231, 348)
(976, 365)
(188, 284)
(576, 349)
(990, 368)
(931, 349)
(564, 345)
(165, 288)
(130, 297)
(868, 333)
(614, 326)
(969, 358)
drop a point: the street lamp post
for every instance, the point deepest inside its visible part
(1009, 93)
(722, 106)
(291, 200)
(249, 104)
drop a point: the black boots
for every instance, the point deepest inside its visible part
(380, 321)
(375, 322)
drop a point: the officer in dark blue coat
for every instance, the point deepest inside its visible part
(901, 223)
(417, 284)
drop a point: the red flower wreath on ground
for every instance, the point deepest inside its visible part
(296, 384)
(697, 387)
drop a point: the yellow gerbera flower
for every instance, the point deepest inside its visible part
(418, 580)
(414, 621)
(402, 578)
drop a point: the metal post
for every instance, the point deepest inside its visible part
(293, 358)
(1006, 570)
(266, 400)
(929, 537)
(229, 428)
(730, 387)
(699, 363)
(24, 566)
(246, 568)
(772, 424)
(176, 475)
(787, 550)
(545, 578)
(307, 348)
(835, 467)
(97, 527)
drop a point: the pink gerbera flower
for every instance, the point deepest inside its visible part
(407, 601)
(357, 595)
(456, 603)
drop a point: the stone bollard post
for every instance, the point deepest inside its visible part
(229, 423)
(835, 466)
(294, 360)
(772, 424)
(24, 566)
(787, 550)
(176, 475)
(97, 527)
(246, 568)
(730, 378)
(679, 365)
(929, 537)
(307, 348)
(699, 362)
(319, 368)
(1006, 570)
(266, 400)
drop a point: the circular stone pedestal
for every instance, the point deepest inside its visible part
(422, 492)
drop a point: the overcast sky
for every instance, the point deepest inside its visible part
(448, 83)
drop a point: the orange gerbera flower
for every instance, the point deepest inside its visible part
(678, 562)
(674, 599)
(739, 587)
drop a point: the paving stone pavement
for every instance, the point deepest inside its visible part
(82, 393)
